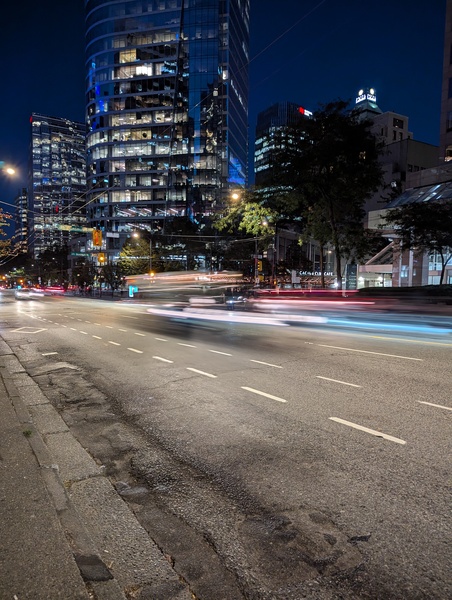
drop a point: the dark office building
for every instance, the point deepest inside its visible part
(270, 123)
(167, 107)
(57, 182)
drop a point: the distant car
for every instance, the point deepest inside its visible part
(233, 302)
(28, 293)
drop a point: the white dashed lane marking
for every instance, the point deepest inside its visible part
(337, 381)
(201, 372)
(435, 405)
(369, 352)
(367, 430)
(162, 359)
(259, 362)
(248, 389)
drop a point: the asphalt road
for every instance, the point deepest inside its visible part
(294, 461)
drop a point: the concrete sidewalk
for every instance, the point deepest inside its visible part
(64, 530)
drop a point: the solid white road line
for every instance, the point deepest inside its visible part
(134, 350)
(162, 359)
(369, 352)
(48, 353)
(371, 431)
(337, 381)
(260, 362)
(264, 394)
(113, 343)
(201, 372)
(218, 352)
(187, 345)
(437, 405)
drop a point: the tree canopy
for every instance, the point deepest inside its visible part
(324, 169)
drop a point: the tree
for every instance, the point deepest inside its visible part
(134, 257)
(113, 275)
(53, 264)
(84, 275)
(8, 250)
(424, 227)
(325, 170)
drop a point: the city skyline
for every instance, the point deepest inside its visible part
(308, 54)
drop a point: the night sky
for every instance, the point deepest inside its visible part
(305, 51)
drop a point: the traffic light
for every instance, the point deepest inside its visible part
(101, 258)
(97, 237)
(259, 265)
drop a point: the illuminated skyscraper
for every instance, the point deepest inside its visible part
(167, 94)
(57, 182)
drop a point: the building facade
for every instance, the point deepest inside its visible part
(167, 109)
(402, 154)
(270, 123)
(445, 136)
(57, 182)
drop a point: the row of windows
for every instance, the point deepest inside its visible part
(127, 9)
(131, 39)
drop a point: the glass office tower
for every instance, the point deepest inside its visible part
(167, 93)
(57, 182)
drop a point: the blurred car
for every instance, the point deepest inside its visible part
(54, 290)
(28, 293)
(233, 302)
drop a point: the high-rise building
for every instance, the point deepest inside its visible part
(271, 123)
(167, 94)
(445, 134)
(21, 220)
(57, 182)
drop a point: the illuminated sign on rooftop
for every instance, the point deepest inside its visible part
(303, 111)
(369, 95)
